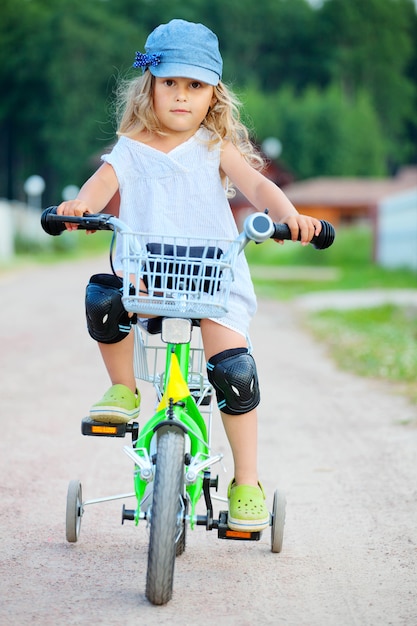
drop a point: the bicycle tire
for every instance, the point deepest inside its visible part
(181, 539)
(166, 522)
(278, 521)
(73, 511)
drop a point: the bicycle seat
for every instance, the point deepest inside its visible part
(153, 325)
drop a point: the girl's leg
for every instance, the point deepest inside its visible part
(121, 402)
(242, 433)
(118, 359)
(241, 430)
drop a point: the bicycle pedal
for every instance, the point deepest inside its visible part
(224, 532)
(100, 429)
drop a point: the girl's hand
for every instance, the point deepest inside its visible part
(72, 207)
(303, 225)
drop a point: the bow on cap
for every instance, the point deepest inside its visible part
(147, 60)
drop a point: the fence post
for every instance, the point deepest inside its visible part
(6, 232)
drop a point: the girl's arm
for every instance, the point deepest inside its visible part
(93, 196)
(264, 194)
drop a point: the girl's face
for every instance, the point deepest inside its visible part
(181, 104)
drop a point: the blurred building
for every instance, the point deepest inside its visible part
(345, 200)
(389, 205)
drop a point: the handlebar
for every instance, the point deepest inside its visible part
(257, 227)
(54, 224)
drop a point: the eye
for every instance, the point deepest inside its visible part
(195, 84)
(169, 82)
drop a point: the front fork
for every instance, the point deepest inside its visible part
(196, 459)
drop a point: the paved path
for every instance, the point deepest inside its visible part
(357, 299)
(343, 448)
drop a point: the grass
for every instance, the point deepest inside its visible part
(65, 247)
(350, 258)
(378, 342)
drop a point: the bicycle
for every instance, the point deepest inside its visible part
(186, 280)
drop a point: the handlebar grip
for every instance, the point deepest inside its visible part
(51, 226)
(54, 224)
(321, 241)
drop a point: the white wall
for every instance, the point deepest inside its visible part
(396, 236)
(17, 218)
(6, 231)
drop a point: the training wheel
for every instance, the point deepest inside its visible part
(278, 521)
(74, 511)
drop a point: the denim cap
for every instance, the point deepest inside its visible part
(182, 49)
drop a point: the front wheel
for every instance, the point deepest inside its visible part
(278, 521)
(166, 516)
(181, 539)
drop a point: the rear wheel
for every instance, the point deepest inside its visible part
(74, 511)
(167, 530)
(278, 521)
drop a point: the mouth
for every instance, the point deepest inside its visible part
(179, 111)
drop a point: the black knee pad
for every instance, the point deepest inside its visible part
(107, 319)
(234, 377)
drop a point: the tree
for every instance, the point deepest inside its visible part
(56, 79)
(322, 133)
(61, 59)
(19, 63)
(373, 47)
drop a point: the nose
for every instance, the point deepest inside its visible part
(180, 96)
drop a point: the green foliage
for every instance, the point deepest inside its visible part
(76, 121)
(379, 342)
(271, 42)
(337, 84)
(68, 246)
(321, 131)
(374, 43)
(58, 59)
(350, 257)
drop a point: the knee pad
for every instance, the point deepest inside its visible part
(234, 377)
(107, 319)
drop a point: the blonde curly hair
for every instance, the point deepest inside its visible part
(136, 113)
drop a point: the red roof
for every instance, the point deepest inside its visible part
(334, 191)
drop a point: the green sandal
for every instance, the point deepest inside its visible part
(247, 508)
(119, 405)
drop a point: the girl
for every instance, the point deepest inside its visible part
(180, 143)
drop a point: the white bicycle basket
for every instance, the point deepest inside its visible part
(177, 276)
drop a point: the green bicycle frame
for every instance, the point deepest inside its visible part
(183, 410)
